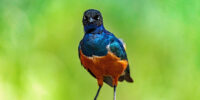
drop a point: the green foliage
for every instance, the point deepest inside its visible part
(39, 42)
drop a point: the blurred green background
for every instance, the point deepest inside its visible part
(39, 42)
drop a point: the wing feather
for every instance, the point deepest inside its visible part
(118, 48)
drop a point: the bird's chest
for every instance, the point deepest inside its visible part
(109, 65)
(94, 41)
(94, 44)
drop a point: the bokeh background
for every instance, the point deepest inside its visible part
(39, 42)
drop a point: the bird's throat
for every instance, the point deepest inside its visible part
(93, 28)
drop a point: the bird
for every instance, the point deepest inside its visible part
(101, 53)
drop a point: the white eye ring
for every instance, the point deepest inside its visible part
(84, 17)
(98, 17)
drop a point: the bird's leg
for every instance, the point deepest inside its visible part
(100, 83)
(97, 92)
(114, 92)
(115, 81)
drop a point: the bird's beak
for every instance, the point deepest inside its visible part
(91, 20)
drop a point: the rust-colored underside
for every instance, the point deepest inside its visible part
(100, 66)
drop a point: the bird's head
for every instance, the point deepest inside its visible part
(92, 17)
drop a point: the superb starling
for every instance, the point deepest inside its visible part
(101, 53)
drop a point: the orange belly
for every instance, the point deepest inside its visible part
(100, 66)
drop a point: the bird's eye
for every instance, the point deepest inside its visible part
(84, 17)
(96, 17)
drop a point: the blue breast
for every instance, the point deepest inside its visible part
(96, 40)
(95, 44)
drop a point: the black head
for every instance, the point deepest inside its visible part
(92, 17)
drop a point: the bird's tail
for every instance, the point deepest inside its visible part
(126, 77)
